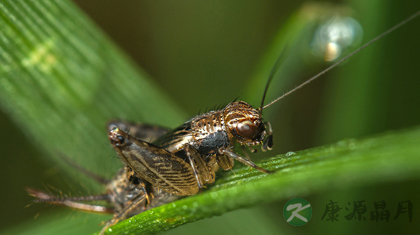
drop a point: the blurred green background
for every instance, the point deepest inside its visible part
(204, 54)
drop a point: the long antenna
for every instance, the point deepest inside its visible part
(345, 58)
(272, 73)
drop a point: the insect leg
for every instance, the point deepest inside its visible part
(225, 162)
(83, 170)
(192, 159)
(202, 172)
(245, 153)
(71, 202)
(241, 159)
(123, 214)
(143, 188)
(268, 143)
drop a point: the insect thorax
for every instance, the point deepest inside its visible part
(209, 133)
(206, 133)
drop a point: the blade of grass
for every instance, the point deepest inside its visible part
(61, 80)
(390, 157)
(360, 112)
(297, 38)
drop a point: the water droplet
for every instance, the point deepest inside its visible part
(289, 154)
(334, 36)
(214, 195)
(109, 229)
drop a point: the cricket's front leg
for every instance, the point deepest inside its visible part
(202, 172)
(229, 153)
(268, 142)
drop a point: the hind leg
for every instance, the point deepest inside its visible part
(123, 214)
(73, 202)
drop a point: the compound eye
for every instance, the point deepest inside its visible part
(247, 129)
(121, 139)
(116, 136)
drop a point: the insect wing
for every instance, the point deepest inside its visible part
(141, 131)
(154, 164)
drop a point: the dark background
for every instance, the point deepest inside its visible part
(202, 55)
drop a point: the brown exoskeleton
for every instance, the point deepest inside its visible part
(162, 166)
(183, 160)
(177, 164)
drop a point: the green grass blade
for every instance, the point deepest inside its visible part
(61, 80)
(364, 75)
(348, 164)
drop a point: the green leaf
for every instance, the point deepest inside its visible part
(62, 80)
(347, 164)
(391, 157)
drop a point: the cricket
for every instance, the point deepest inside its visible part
(163, 165)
